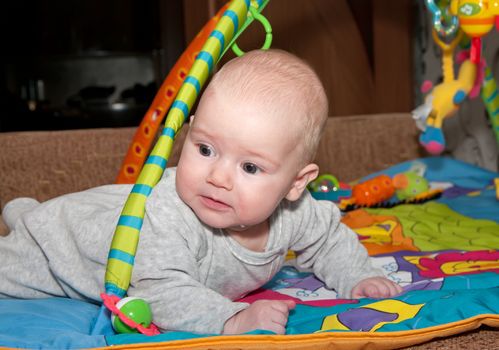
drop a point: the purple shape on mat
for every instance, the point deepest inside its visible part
(310, 283)
(424, 285)
(364, 319)
(457, 191)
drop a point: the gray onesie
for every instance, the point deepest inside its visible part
(189, 273)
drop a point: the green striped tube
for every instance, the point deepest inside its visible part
(490, 97)
(126, 236)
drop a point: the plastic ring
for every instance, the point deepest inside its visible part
(268, 30)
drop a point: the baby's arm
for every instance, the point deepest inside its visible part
(167, 275)
(330, 248)
(271, 315)
(376, 287)
(14, 209)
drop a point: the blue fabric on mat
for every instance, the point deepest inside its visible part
(53, 323)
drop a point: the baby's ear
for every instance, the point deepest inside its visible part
(303, 178)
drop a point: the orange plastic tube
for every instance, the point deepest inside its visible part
(141, 143)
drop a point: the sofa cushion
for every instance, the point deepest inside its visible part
(45, 164)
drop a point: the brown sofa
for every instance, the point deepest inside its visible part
(50, 163)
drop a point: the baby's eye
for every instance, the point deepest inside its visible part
(206, 151)
(250, 168)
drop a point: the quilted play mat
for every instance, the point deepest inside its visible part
(444, 252)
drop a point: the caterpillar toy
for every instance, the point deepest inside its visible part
(408, 187)
(373, 191)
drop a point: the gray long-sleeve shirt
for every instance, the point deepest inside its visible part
(189, 273)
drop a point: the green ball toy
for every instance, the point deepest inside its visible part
(137, 310)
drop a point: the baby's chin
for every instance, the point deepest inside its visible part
(238, 228)
(214, 222)
(210, 221)
(223, 226)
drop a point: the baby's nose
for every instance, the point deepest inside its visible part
(220, 176)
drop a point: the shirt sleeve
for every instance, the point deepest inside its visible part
(329, 247)
(166, 274)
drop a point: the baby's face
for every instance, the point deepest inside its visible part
(238, 162)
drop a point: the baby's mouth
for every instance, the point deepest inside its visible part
(213, 203)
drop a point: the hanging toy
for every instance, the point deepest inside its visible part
(136, 310)
(130, 315)
(476, 18)
(445, 98)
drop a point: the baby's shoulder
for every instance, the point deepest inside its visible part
(306, 215)
(308, 205)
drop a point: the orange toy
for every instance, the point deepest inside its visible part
(373, 191)
(142, 140)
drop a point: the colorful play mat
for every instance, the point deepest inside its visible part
(444, 253)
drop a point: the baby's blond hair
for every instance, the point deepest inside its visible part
(282, 83)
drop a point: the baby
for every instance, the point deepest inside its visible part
(216, 227)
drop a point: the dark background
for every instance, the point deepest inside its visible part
(89, 63)
(84, 63)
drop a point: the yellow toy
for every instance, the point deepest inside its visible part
(452, 18)
(445, 98)
(476, 17)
